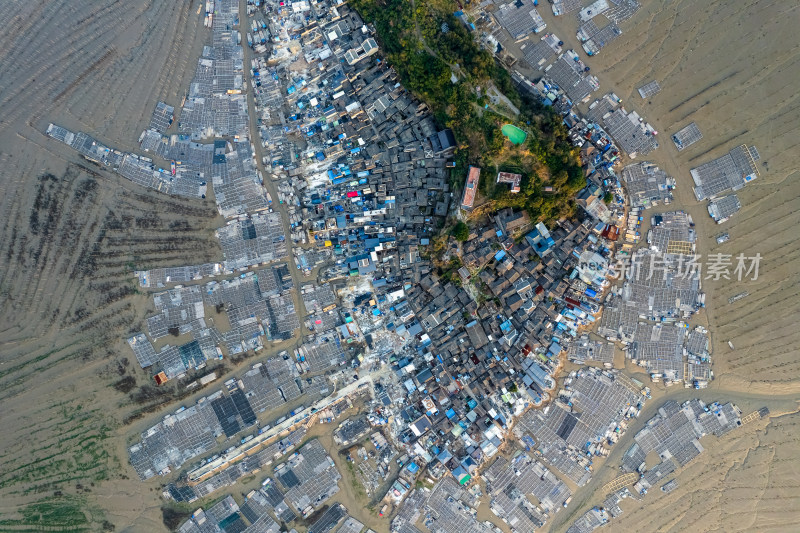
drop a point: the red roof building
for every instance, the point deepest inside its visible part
(512, 179)
(471, 187)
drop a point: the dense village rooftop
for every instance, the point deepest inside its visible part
(362, 180)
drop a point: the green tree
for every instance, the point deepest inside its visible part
(425, 58)
(460, 231)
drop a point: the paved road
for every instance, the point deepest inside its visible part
(298, 419)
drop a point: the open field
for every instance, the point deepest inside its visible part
(741, 461)
(71, 236)
(729, 67)
(756, 467)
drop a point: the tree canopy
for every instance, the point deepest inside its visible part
(426, 60)
(460, 231)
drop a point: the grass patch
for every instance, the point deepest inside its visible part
(125, 385)
(174, 516)
(75, 451)
(66, 513)
(357, 486)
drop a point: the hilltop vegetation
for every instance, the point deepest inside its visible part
(429, 47)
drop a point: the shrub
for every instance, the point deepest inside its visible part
(460, 231)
